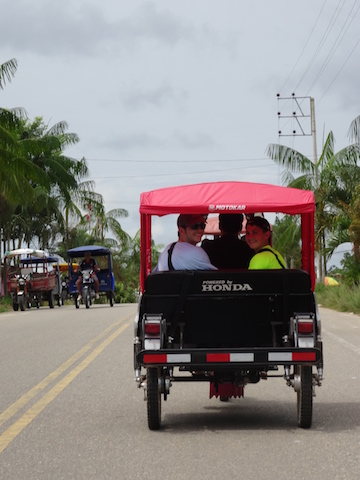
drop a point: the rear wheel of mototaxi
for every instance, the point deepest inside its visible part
(304, 396)
(15, 304)
(111, 299)
(51, 299)
(77, 304)
(153, 398)
(21, 300)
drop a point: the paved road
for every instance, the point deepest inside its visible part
(69, 409)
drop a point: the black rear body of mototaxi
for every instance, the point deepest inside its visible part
(228, 309)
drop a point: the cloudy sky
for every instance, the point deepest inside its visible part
(169, 92)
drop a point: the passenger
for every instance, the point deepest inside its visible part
(184, 254)
(88, 264)
(229, 251)
(258, 235)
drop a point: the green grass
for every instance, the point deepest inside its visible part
(342, 298)
(5, 304)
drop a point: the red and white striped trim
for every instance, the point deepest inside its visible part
(292, 356)
(177, 358)
(227, 357)
(230, 357)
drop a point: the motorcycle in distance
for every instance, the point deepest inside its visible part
(63, 267)
(87, 288)
(22, 297)
(64, 292)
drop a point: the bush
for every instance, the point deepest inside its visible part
(124, 293)
(5, 304)
(343, 298)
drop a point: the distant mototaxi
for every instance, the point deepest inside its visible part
(32, 276)
(106, 278)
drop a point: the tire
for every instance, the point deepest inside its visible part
(59, 301)
(77, 305)
(305, 397)
(22, 303)
(111, 299)
(15, 306)
(136, 363)
(153, 399)
(87, 299)
(51, 299)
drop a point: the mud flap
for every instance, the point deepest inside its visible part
(226, 389)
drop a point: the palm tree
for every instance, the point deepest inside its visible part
(315, 177)
(107, 221)
(287, 237)
(35, 167)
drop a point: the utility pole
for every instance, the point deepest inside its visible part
(298, 114)
(313, 133)
(321, 269)
(301, 117)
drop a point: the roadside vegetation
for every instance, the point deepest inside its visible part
(335, 181)
(342, 298)
(47, 201)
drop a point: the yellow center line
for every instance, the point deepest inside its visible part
(22, 401)
(8, 436)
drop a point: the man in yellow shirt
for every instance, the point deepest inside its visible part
(258, 234)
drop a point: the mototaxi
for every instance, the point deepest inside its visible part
(105, 275)
(229, 328)
(32, 276)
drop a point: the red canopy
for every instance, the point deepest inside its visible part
(228, 197)
(220, 197)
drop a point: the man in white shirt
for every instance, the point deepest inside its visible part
(184, 254)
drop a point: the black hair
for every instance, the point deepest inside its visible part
(261, 223)
(231, 222)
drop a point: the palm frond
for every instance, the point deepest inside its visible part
(289, 158)
(7, 72)
(117, 213)
(354, 130)
(327, 152)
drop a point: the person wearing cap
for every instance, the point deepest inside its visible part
(229, 251)
(184, 254)
(88, 264)
(258, 235)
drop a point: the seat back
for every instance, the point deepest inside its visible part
(228, 308)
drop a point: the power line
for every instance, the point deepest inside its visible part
(180, 173)
(306, 43)
(175, 161)
(343, 65)
(336, 44)
(322, 41)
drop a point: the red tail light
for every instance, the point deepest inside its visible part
(305, 327)
(152, 328)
